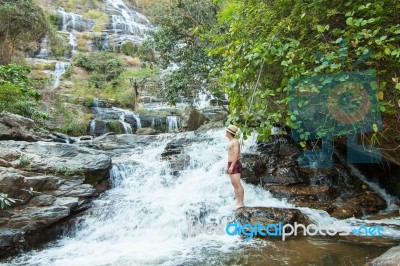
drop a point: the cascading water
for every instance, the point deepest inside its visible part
(123, 113)
(71, 23)
(126, 24)
(202, 100)
(45, 48)
(59, 70)
(92, 127)
(173, 123)
(144, 219)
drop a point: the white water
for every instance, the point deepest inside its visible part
(143, 219)
(173, 123)
(92, 127)
(59, 69)
(123, 113)
(70, 24)
(202, 100)
(127, 24)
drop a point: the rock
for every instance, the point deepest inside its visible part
(154, 121)
(173, 154)
(300, 192)
(63, 159)
(211, 125)
(192, 119)
(9, 241)
(84, 138)
(283, 176)
(389, 258)
(42, 200)
(16, 127)
(16, 121)
(253, 168)
(268, 215)
(146, 131)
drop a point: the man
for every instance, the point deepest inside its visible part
(234, 168)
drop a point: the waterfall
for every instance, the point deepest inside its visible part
(126, 24)
(123, 113)
(59, 70)
(202, 100)
(173, 123)
(45, 48)
(92, 127)
(144, 219)
(127, 127)
(71, 23)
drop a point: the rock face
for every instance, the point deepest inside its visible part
(335, 190)
(51, 181)
(389, 258)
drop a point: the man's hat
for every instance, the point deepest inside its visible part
(232, 129)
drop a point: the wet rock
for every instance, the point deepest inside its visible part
(173, 153)
(283, 176)
(300, 192)
(253, 168)
(389, 258)
(9, 241)
(268, 215)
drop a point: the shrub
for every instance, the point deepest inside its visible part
(16, 92)
(104, 67)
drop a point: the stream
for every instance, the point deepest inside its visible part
(144, 219)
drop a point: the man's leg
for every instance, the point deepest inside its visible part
(239, 192)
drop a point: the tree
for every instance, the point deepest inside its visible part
(267, 44)
(21, 22)
(181, 37)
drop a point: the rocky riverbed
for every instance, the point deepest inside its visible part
(53, 182)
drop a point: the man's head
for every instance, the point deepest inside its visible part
(231, 131)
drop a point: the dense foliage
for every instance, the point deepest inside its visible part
(104, 67)
(21, 22)
(180, 39)
(16, 92)
(266, 44)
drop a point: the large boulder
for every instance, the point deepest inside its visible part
(274, 221)
(59, 158)
(50, 182)
(192, 119)
(16, 127)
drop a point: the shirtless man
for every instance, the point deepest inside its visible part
(234, 168)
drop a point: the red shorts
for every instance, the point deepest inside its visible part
(237, 168)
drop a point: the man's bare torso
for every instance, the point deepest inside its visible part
(233, 150)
